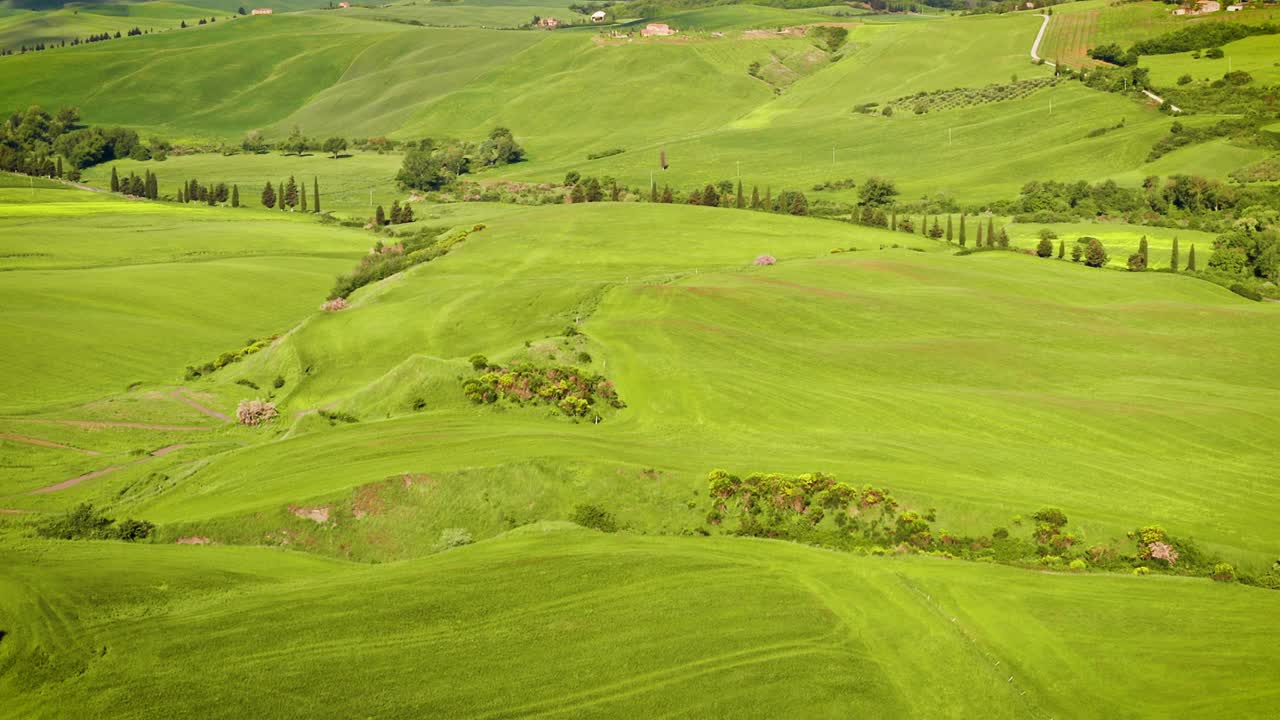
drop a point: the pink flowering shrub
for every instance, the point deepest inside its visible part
(766, 260)
(255, 412)
(1163, 551)
(334, 305)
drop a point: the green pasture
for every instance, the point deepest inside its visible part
(105, 292)
(555, 621)
(28, 27)
(1257, 56)
(1031, 383)
(466, 14)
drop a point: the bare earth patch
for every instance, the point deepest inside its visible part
(194, 540)
(315, 514)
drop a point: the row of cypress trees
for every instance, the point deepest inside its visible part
(289, 195)
(286, 195)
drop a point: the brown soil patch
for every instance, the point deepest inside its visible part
(168, 449)
(369, 500)
(194, 540)
(8, 511)
(182, 397)
(315, 514)
(411, 479)
(44, 443)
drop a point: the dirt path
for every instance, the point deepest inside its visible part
(44, 443)
(179, 395)
(106, 471)
(77, 480)
(103, 424)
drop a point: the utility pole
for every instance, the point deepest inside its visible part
(833, 156)
(948, 136)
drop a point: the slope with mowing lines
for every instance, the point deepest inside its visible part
(551, 622)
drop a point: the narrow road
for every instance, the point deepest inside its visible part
(1035, 55)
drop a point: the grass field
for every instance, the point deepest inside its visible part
(130, 277)
(569, 622)
(307, 567)
(1255, 55)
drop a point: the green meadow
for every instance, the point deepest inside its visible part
(421, 527)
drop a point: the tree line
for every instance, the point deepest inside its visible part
(35, 142)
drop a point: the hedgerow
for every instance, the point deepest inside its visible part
(226, 358)
(386, 260)
(955, 98)
(816, 508)
(83, 522)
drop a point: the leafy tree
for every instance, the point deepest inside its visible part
(1137, 263)
(1045, 248)
(235, 196)
(268, 196)
(420, 170)
(1095, 255)
(1173, 256)
(572, 177)
(500, 148)
(592, 190)
(1077, 251)
(335, 146)
(253, 142)
(296, 144)
(877, 192)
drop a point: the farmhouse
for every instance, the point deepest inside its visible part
(261, 11)
(344, 4)
(549, 23)
(598, 16)
(1235, 8)
(657, 30)
(1207, 6)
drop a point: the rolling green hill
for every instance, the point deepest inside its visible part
(560, 622)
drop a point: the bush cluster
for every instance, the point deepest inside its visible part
(83, 522)
(576, 392)
(960, 97)
(594, 517)
(195, 371)
(383, 261)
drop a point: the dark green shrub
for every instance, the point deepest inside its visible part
(1245, 291)
(594, 517)
(278, 382)
(584, 357)
(83, 522)
(247, 383)
(1045, 248)
(479, 362)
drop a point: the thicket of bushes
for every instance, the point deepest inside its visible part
(576, 392)
(226, 358)
(83, 522)
(384, 260)
(817, 509)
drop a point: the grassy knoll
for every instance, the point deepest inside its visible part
(559, 621)
(467, 14)
(150, 287)
(1029, 382)
(28, 27)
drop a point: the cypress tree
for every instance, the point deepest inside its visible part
(1142, 250)
(59, 166)
(303, 196)
(741, 202)
(280, 197)
(893, 219)
(115, 180)
(668, 196)
(406, 213)
(924, 225)
(978, 243)
(1062, 249)
(755, 197)
(653, 190)
(963, 237)
(315, 190)
(379, 217)
(291, 193)
(991, 230)
(950, 237)
(181, 196)
(235, 196)
(1191, 258)
(268, 196)
(395, 213)
(1173, 257)
(155, 187)
(768, 198)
